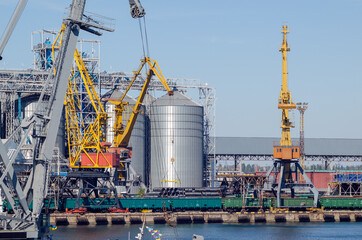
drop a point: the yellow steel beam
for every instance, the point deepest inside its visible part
(122, 140)
(285, 102)
(157, 71)
(84, 138)
(122, 132)
(170, 181)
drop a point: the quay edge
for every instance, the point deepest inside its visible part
(208, 217)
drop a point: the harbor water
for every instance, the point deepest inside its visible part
(280, 231)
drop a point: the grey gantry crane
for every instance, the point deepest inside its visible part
(42, 126)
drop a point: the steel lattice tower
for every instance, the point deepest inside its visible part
(302, 107)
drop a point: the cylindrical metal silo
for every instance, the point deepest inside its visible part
(176, 142)
(30, 108)
(137, 140)
(147, 102)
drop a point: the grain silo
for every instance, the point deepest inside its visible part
(137, 140)
(176, 142)
(29, 109)
(147, 102)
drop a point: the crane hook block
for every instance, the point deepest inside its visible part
(137, 11)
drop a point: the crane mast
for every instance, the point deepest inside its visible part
(285, 101)
(285, 150)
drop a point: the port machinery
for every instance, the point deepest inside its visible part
(13, 93)
(99, 166)
(42, 126)
(286, 154)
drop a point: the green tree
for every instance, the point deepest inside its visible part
(141, 192)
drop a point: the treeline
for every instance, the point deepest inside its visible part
(252, 168)
(246, 168)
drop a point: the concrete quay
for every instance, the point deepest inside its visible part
(205, 217)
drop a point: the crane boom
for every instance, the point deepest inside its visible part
(11, 25)
(122, 135)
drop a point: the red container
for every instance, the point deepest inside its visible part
(320, 179)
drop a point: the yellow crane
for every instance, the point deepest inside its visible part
(285, 100)
(284, 153)
(122, 132)
(285, 150)
(86, 141)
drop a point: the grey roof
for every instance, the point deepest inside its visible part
(149, 99)
(264, 146)
(177, 99)
(117, 94)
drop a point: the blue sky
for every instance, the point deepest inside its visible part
(233, 46)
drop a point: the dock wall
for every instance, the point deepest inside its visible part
(205, 217)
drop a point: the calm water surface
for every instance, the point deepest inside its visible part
(280, 231)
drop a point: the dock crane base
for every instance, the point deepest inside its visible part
(86, 186)
(279, 167)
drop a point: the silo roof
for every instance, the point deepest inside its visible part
(115, 95)
(149, 99)
(177, 99)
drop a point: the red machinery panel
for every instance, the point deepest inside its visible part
(104, 160)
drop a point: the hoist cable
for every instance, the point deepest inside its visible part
(143, 44)
(147, 47)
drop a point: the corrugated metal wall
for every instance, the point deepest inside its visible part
(61, 135)
(137, 140)
(176, 142)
